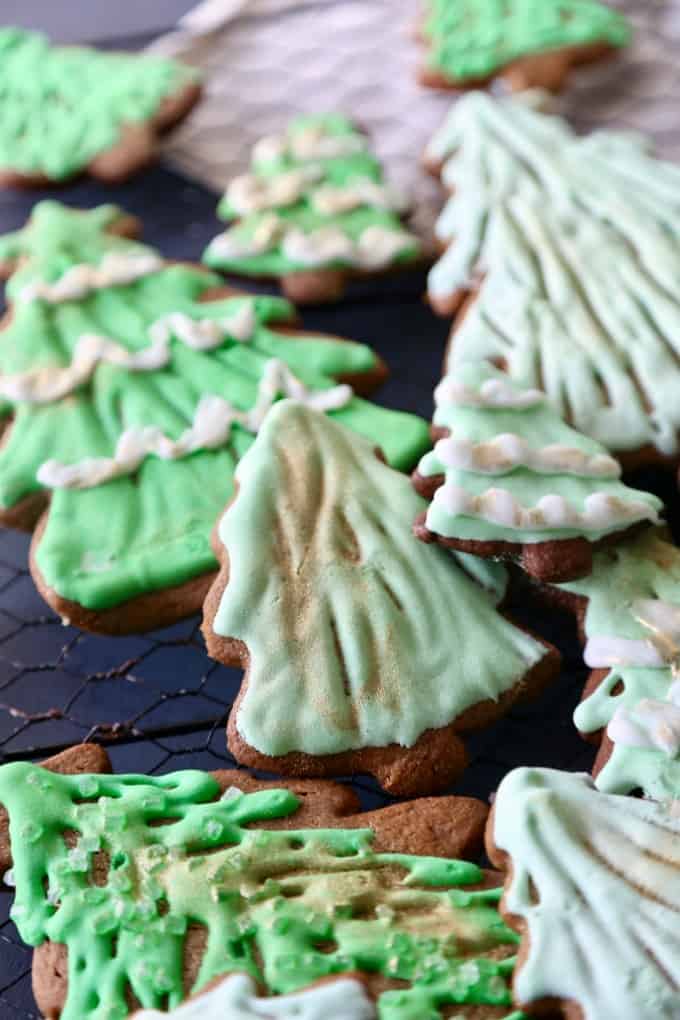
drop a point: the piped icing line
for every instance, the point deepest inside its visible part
(210, 430)
(250, 193)
(53, 383)
(114, 269)
(498, 506)
(312, 142)
(375, 247)
(236, 998)
(660, 650)
(650, 724)
(492, 393)
(508, 451)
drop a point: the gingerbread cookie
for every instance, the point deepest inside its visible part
(138, 891)
(568, 252)
(130, 387)
(628, 613)
(364, 650)
(509, 480)
(313, 210)
(69, 109)
(592, 888)
(526, 43)
(236, 998)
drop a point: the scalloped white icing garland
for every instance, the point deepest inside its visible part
(115, 269)
(508, 451)
(311, 142)
(235, 998)
(374, 248)
(650, 724)
(498, 506)
(211, 427)
(51, 383)
(493, 393)
(252, 194)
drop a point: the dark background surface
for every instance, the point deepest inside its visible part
(156, 700)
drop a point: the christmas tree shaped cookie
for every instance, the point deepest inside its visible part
(568, 249)
(355, 659)
(139, 891)
(68, 109)
(629, 618)
(313, 209)
(528, 43)
(593, 887)
(508, 479)
(131, 387)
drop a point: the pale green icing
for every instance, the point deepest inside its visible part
(107, 544)
(578, 242)
(338, 171)
(286, 907)
(472, 39)
(347, 619)
(646, 568)
(541, 427)
(63, 105)
(594, 878)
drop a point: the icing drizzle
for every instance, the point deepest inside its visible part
(594, 877)
(285, 907)
(210, 429)
(555, 481)
(52, 383)
(114, 270)
(531, 204)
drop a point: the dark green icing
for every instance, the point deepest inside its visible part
(339, 171)
(473, 39)
(306, 903)
(62, 106)
(109, 543)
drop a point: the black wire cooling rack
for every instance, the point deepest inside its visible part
(156, 701)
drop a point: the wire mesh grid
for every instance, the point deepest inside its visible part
(155, 700)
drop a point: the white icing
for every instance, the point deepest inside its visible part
(375, 247)
(660, 650)
(210, 429)
(311, 143)
(498, 506)
(650, 724)
(604, 652)
(333, 200)
(508, 451)
(116, 268)
(492, 393)
(251, 194)
(235, 998)
(8, 879)
(50, 383)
